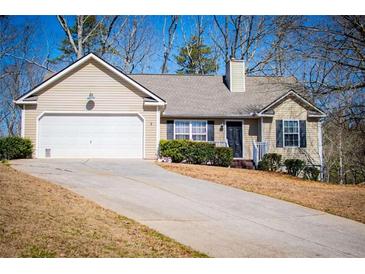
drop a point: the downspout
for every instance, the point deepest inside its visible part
(158, 120)
(22, 124)
(320, 148)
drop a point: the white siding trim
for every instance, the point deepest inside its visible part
(154, 104)
(90, 113)
(25, 102)
(230, 76)
(22, 125)
(157, 129)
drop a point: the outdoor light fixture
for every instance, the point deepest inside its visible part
(91, 96)
(221, 127)
(90, 102)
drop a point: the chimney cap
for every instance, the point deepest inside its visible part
(235, 60)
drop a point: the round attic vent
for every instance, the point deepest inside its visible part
(90, 105)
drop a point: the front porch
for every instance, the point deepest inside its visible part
(259, 149)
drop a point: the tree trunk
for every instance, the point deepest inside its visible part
(80, 25)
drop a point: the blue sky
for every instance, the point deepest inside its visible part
(49, 35)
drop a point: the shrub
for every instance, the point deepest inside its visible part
(263, 165)
(223, 156)
(311, 173)
(15, 148)
(195, 152)
(270, 162)
(175, 149)
(199, 153)
(294, 166)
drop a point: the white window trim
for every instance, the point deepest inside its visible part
(289, 120)
(191, 129)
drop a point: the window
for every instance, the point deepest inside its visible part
(191, 130)
(291, 133)
(182, 130)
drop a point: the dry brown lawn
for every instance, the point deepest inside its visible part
(343, 200)
(40, 219)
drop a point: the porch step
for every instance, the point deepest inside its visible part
(248, 164)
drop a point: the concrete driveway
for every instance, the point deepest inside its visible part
(215, 219)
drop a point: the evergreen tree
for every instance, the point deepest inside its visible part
(196, 58)
(87, 34)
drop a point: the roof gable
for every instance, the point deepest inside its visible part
(90, 57)
(314, 110)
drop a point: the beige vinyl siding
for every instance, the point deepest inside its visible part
(163, 128)
(111, 95)
(250, 134)
(149, 115)
(291, 109)
(237, 80)
(288, 109)
(30, 130)
(110, 92)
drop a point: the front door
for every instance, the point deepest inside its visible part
(234, 138)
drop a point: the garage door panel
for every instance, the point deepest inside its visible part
(91, 136)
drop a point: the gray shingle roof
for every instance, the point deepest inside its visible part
(208, 96)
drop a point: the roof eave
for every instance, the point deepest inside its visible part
(79, 63)
(21, 102)
(154, 103)
(220, 116)
(317, 115)
(261, 112)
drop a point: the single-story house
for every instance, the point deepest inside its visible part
(91, 109)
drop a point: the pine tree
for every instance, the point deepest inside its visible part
(196, 58)
(87, 34)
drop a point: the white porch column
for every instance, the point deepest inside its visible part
(262, 139)
(158, 120)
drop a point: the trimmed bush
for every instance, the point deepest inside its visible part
(195, 152)
(270, 162)
(294, 166)
(263, 165)
(15, 148)
(311, 173)
(199, 153)
(175, 149)
(223, 156)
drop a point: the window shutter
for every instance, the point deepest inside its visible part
(211, 131)
(170, 129)
(303, 133)
(279, 133)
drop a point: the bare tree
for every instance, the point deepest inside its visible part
(134, 44)
(19, 71)
(240, 37)
(167, 45)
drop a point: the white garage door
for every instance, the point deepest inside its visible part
(90, 136)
